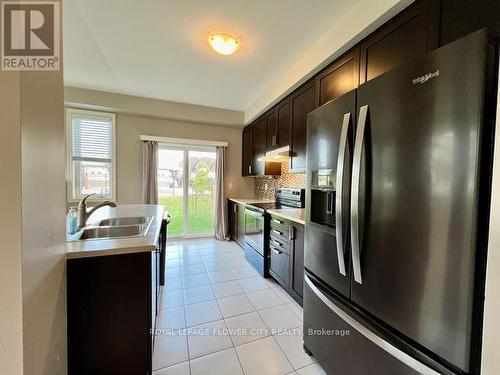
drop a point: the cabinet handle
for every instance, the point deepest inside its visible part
(249, 169)
(291, 232)
(276, 251)
(277, 221)
(277, 243)
(277, 232)
(275, 140)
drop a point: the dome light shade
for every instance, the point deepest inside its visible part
(224, 44)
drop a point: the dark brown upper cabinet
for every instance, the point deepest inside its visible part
(339, 77)
(254, 141)
(302, 102)
(247, 154)
(260, 168)
(283, 110)
(272, 129)
(459, 18)
(259, 144)
(398, 41)
(278, 125)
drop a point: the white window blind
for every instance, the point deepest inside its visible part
(91, 154)
(92, 138)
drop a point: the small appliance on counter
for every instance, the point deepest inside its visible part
(257, 225)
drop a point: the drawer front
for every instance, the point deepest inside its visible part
(280, 224)
(278, 243)
(280, 231)
(279, 263)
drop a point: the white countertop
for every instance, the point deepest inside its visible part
(250, 200)
(114, 246)
(297, 215)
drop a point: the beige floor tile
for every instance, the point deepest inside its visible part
(224, 362)
(263, 357)
(208, 338)
(247, 327)
(202, 312)
(235, 305)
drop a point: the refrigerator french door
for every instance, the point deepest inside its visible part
(330, 134)
(419, 202)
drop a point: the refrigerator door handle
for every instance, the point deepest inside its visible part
(329, 203)
(339, 225)
(356, 174)
(416, 365)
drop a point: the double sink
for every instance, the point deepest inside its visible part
(119, 227)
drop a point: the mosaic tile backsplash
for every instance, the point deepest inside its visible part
(264, 186)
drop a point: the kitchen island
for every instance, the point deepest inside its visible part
(112, 292)
(119, 245)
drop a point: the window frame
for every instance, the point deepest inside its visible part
(70, 111)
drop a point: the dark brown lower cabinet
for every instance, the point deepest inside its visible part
(112, 307)
(232, 214)
(240, 238)
(286, 255)
(236, 221)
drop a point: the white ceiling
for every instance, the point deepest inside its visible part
(158, 48)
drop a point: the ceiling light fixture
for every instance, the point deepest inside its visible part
(224, 44)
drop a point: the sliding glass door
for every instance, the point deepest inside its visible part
(186, 177)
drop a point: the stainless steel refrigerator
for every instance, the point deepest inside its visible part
(399, 176)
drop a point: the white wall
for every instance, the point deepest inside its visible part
(142, 116)
(32, 224)
(129, 152)
(100, 100)
(11, 332)
(43, 222)
(491, 331)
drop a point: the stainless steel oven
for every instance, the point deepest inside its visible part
(254, 229)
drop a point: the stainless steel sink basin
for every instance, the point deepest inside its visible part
(112, 232)
(124, 221)
(118, 227)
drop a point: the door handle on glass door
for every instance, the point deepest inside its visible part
(356, 175)
(339, 222)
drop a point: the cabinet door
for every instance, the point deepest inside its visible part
(459, 18)
(398, 41)
(241, 224)
(259, 146)
(279, 265)
(340, 77)
(272, 129)
(233, 219)
(303, 102)
(247, 146)
(154, 293)
(298, 260)
(283, 118)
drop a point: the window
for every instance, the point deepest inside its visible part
(91, 154)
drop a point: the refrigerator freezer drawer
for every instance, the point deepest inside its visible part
(321, 259)
(344, 346)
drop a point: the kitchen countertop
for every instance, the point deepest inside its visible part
(114, 246)
(297, 215)
(250, 200)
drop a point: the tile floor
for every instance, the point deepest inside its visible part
(219, 316)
